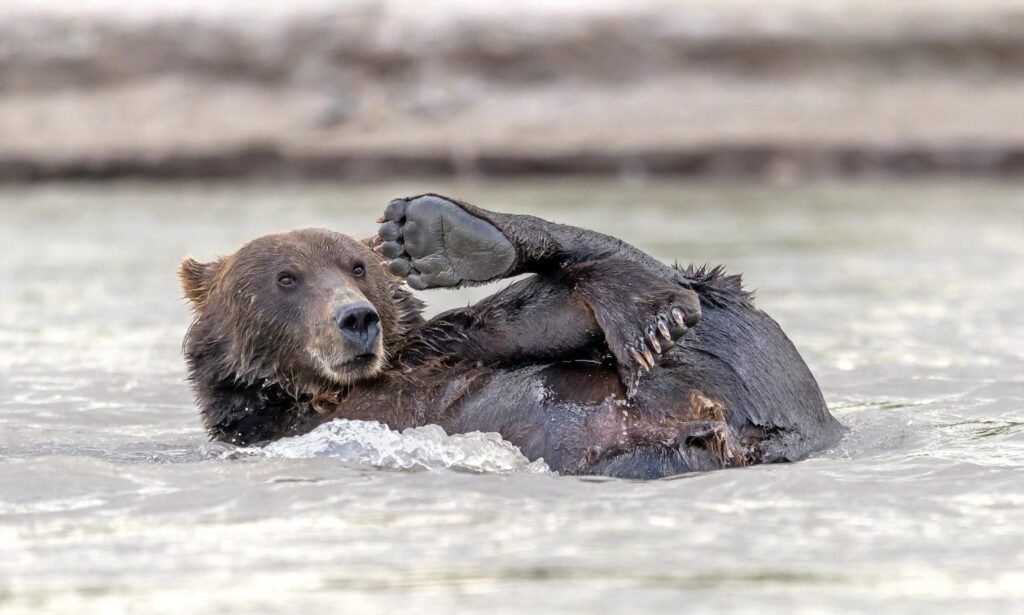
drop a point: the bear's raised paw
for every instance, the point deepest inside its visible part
(433, 242)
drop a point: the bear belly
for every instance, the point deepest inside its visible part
(576, 417)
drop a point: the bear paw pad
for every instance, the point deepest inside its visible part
(432, 242)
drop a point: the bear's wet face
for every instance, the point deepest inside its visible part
(284, 325)
(309, 308)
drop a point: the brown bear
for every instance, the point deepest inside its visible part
(603, 361)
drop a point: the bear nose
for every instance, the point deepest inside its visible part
(359, 323)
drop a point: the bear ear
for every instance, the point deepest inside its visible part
(196, 279)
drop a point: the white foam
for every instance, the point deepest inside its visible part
(418, 448)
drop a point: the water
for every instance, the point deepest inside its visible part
(906, 300)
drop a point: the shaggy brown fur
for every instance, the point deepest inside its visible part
(590, 363)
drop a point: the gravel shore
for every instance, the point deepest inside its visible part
(377, 88)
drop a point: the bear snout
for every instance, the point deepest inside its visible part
(360, 324)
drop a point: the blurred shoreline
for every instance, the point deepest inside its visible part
(369, 90)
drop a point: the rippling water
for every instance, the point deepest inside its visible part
(906, 300)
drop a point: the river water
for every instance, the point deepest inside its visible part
(906, 300)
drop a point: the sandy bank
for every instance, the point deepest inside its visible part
(355, 89)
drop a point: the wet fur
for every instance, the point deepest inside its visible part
(531, 362)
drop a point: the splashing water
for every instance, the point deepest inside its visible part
(417, 448)
(907, 302)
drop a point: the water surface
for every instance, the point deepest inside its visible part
(906, 300)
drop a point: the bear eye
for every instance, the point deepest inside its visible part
(359, 270)
(287, 279)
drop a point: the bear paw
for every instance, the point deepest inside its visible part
(432, 242)
(645, 341)
(661, 333)
(641, 320)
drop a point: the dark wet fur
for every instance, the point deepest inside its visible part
(536, 363)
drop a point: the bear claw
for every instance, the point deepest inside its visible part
(663, 329)
(639, 358)
(651, 342)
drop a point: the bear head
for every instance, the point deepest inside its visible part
(285, 318)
